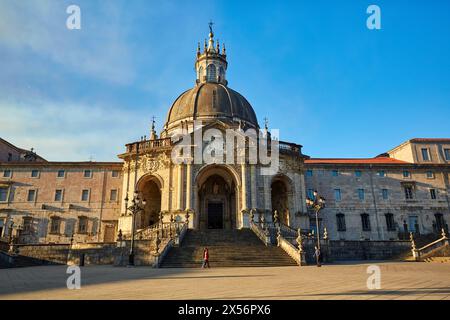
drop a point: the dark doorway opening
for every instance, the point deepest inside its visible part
(215, 215)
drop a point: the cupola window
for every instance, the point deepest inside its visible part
(211, 75)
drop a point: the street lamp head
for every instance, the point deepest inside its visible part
(315, 193)
(126, 198)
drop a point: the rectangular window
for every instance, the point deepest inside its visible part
(88, 173)
(3, 194)
(425, 154)
(385, 194)
(390, 223)
(54, 225)
(408, 192)
(35, 173)
(27, 223)
(61, 173)
(357, 173)
(337, 194)
(7, 173)
(58, 195)
(115, 173)
(361, 194)
(309, 173)
(340, 219)
(335, 173)
(31, 195)
(447, 154)
(381, 173)
(430, 174)
(85, 195)
(433, 194)
(113, 196)
(365, 222)
(406, 174)
(82, 224)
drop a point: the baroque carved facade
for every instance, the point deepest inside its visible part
(381, 198)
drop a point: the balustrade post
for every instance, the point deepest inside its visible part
(301, 251)
(415, 252)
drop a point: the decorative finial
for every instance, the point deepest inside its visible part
(266, 123)
(210, 27)
(224, 51)
(205, 46)
(198, 49)
(218, 46)
(153, 135)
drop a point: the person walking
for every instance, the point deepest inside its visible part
(318, 256)
(205, 258)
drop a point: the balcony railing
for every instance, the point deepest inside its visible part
(147, 145)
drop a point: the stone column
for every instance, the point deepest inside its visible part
(244, 186)
(180, 186)
(253, 178)
(188, 186)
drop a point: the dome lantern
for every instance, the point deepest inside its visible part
(211, 65)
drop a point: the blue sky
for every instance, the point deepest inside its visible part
(311, 67)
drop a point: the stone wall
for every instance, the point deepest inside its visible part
(52, 253)
(358, 250)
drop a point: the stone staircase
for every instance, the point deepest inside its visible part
(227, 248)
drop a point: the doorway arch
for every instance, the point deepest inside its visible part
(281, 197)
(217, 200)
(149, 188)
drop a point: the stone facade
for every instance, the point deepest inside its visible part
(54, 202)
(382, 198)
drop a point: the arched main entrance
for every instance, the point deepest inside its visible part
(281, 197)
(216, 195)
(150, 190)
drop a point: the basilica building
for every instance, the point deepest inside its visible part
(385, 197)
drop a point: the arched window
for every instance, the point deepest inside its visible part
(211, 73)
(221, 74)
(200, 73)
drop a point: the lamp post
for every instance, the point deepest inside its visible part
(317, 204)
(137, 205)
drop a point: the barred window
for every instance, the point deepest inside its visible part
(82, 224)
(365, 222)
(55, 223)
(340, 219)
(390, 223)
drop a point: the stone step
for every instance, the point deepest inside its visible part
(227, 248)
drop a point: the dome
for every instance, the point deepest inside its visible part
(209, 101)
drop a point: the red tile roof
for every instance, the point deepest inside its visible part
(378, 160)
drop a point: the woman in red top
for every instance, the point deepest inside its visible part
(205, 258)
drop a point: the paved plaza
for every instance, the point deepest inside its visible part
(399, 280)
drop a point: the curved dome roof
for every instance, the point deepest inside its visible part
(209, 101)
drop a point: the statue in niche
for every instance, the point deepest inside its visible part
(215, 188)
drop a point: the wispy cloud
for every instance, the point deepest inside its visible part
(98, 50)
(62, 131)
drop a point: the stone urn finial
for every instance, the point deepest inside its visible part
(299, 240)
(275, 216)
(413, 243)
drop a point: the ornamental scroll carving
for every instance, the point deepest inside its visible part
(149, 163)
